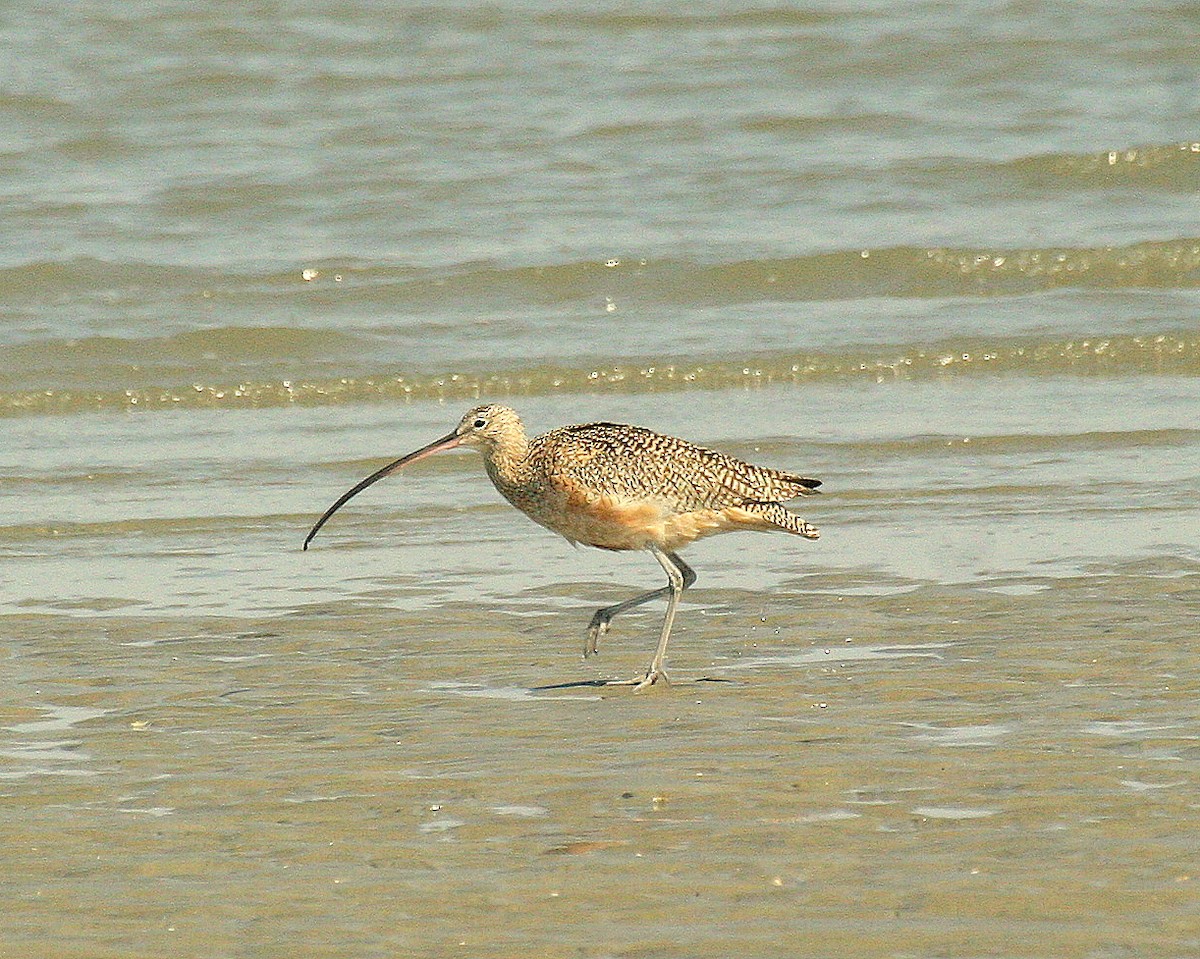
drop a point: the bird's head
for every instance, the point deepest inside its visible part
(487, 426)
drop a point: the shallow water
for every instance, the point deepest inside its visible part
(869, 772)
(943, 257)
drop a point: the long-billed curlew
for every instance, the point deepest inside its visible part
(619, 487)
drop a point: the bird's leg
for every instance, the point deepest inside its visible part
(600, 622)
(681, 576)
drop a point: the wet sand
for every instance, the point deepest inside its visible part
(1007, 768)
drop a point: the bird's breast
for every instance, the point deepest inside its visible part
(610, 521)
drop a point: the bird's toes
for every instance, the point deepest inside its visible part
(652, 677)
(597, 628)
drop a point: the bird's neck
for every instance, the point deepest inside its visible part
(508, 461)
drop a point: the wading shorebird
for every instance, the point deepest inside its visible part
(620, 488)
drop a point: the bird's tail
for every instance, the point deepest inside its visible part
(788, 485)
(783, 518)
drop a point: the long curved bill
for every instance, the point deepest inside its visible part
(447, 442)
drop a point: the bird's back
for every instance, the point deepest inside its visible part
(631, 462)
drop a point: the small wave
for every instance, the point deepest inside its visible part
(229, 344)
(621, 22)
(1174, 353)
(902, 271)
(897, 271)
(1174, 168)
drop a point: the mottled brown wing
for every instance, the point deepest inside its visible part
(616, 460)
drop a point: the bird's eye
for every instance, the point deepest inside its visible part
(479, 424)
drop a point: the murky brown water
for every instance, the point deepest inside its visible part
(945, 771)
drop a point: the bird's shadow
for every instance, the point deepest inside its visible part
(603, 683)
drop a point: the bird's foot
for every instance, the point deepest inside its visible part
(652, 676)
(641, 682)
(596, 628)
